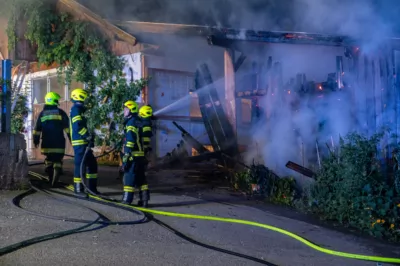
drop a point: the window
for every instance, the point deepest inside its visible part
(57, 85)
(39, 90)
(246, 110)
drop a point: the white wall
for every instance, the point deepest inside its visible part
(185, 54)
(29, 123)
(134, 61)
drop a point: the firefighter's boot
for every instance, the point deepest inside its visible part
(78, 187)
(49, 172)
(92, 185)
(56, 176)
(127, 197)
(144, 197)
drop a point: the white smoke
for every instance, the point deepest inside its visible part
(291, 133)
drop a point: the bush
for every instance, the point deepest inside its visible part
(18, 117)
(351, 188)
(269, 185)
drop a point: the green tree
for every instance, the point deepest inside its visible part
(19, 115)
(81, 51)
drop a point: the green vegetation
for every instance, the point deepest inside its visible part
(80, 50)
(20, 112)
(351, 188)
(261, 181)
(19, 115)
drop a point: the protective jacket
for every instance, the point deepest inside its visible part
(51, 123)
(78, 125)
(133, 142)
(146, 133)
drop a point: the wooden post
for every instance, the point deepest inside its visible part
(230, 87)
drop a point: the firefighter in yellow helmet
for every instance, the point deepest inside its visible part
(145, 132)
(50, 125)
(131, 109)
(133, 155)
(80, 139)
(145, 115)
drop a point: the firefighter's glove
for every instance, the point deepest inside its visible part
(127, 160)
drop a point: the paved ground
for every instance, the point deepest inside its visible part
(152, 244)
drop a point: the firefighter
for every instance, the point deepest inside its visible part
(133, 111)
(145, 132)
(133, 159)
(145, 115)
(80, 139)
(50, 125)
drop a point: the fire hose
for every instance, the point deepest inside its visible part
(105, 200)
(304, 241)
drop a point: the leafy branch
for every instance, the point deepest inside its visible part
(81, 52)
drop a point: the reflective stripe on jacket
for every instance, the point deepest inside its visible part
(78, 125)
(50, 125)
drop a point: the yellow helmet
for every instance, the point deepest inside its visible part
(51, 98)
(132, 106)
(146, 111)
(79, 95)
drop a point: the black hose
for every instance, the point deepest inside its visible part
(175, 231)
(67, 219)
(82, 166)
(101, 219)
(191, 240)
(31, 241)
(150, 217)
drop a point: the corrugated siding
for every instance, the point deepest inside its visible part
(167, 89)
(171, 90)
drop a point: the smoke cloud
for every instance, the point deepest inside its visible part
(291, 124)
(294, 124)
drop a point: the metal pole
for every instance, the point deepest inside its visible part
(6, 99)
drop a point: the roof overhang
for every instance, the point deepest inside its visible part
(81, 12)
(221, 35)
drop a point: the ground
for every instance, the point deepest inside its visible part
(152, 244)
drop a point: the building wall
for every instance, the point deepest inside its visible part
(170, 89)
(134, 64)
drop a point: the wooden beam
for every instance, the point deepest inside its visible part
(78, 9)
(239, 62)
(164, 28)
(230, 87)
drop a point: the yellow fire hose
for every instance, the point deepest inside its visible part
(245, 222)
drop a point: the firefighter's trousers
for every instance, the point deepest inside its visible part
(89, 170)
(53, 160)
(135, 177)
(53, 166)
